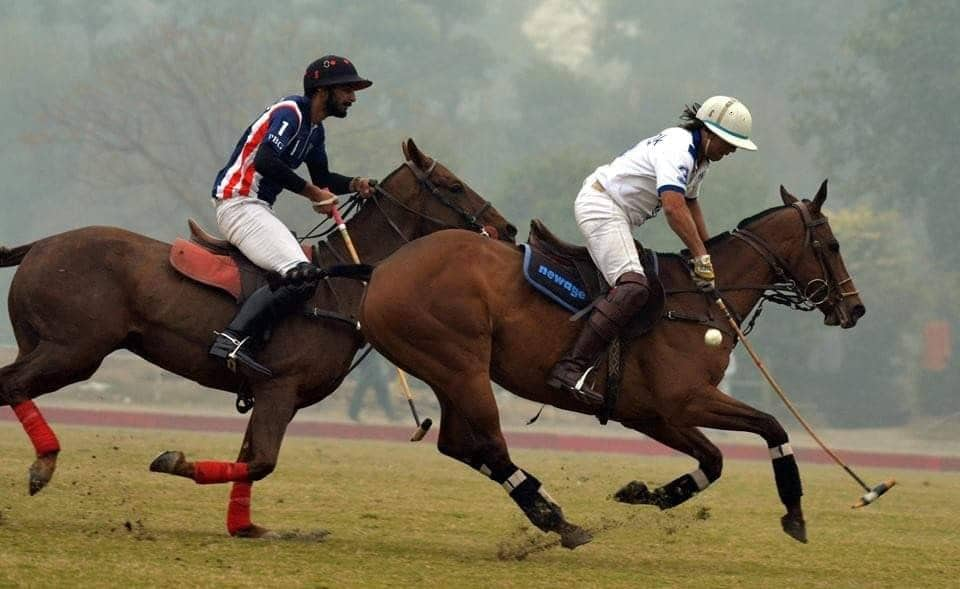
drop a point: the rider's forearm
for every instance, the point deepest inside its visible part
(698, 220)
(322, 176)
(682, 223)
(268, 163)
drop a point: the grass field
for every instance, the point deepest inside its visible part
(401, 515)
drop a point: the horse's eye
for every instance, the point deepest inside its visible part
(834, 246)
(457, 187)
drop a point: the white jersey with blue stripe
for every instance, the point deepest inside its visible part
(666, 161)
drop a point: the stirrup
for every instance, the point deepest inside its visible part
(584, 394)
(232, 356)
(579, 390)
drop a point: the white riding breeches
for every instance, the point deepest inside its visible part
(606, 228)
(251, 225)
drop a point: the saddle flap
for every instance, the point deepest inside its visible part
(200, 264)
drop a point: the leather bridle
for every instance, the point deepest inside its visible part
(827, 289)
(447, 198)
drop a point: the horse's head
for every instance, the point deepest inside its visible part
(439, 199)
(815, 261)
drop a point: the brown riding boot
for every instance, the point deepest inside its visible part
(570, 373)
(611, 314)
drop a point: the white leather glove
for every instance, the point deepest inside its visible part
(702, 274)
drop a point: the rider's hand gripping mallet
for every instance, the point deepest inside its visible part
(871, 495)
(422, 426)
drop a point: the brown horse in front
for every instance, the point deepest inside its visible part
(80, 295)
(454, 310)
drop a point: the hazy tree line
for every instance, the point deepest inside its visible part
(124, 112)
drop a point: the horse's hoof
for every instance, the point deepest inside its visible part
(635, 493)
(254, 531)
(41, 471)
(572, 536)
(795, 527)
(168, 462)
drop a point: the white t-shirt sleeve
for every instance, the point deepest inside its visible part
(673, 162)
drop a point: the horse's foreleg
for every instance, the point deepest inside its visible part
(257, 459)
(478, 442)
(238, 510)
(691, 442)
(710, 407)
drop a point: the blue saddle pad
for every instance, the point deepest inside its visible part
(561, 284)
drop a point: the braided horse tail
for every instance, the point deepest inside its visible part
(13, 256)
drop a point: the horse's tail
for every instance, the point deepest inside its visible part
(359, 272)
(352, 271)
(13, 256)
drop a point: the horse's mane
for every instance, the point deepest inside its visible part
(722, 237)
(749, 220)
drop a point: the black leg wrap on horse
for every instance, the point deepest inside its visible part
(787, 474)
(539, 508)
(679, 490)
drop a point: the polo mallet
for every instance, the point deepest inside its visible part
(422, 426)
(872, 494)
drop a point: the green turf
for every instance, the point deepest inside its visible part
(401, 515)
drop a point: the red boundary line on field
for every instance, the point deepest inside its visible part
(544, 441)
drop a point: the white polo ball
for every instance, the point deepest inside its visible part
(713, 337)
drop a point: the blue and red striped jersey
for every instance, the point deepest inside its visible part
(283, 127)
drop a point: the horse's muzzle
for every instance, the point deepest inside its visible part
(843, 316)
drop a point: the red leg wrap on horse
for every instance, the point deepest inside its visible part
(43, 438)
(238, 513)
(209, 472)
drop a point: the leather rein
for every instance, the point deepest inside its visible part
(470, 220)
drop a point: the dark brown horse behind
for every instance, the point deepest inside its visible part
(480, 320)
(80, 295)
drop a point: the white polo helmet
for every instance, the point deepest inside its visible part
(729, 119)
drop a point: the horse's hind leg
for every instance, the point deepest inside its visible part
(691, 442)
(478, 442)
(710, 407)
(46, 368)
(274, 409)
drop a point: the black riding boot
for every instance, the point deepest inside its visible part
(611, 314)
(259, 311)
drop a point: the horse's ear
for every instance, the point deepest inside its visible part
(820, 197)
(788, 199)
(413, 154)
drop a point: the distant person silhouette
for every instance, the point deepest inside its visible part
(373, 373)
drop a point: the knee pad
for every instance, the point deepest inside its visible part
(625, 300)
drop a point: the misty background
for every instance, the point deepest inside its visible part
(121, 112)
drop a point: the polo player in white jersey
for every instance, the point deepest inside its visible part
(661, 172)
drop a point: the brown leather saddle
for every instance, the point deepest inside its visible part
(218, 263)
(574, 261)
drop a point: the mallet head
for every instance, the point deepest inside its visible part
(874, 493)
(422, 430)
